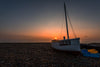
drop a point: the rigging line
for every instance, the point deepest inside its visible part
(72, 27)
(70, 21)
(61, 30)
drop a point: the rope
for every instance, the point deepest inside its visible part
(61, 30)
(70, 22)
(72, 27)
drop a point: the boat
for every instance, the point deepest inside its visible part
(69, 45)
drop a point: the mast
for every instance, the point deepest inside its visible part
(66, 20)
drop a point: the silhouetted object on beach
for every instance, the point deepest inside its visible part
(70, 45)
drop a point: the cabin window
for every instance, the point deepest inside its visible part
(66, 42)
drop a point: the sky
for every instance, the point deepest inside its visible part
(43, 20)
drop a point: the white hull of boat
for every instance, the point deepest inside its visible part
(73, 46)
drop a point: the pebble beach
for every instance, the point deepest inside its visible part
(41, 55)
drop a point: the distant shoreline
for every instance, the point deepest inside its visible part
(40, 42)
(26, 43)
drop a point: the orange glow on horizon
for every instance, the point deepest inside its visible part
(51, 33)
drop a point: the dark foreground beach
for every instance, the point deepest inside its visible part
(41, 55)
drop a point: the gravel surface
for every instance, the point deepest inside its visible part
(41, 55)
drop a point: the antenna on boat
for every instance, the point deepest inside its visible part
(66, 20)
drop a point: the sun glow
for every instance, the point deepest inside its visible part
(55, 38)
